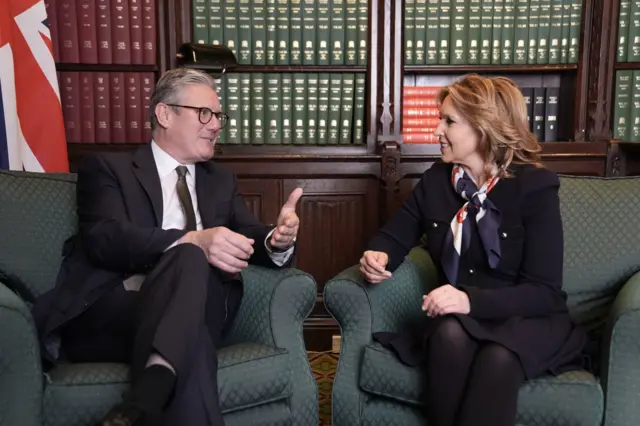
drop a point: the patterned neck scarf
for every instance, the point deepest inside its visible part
(486, 215)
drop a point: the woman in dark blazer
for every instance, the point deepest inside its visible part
(491, 215)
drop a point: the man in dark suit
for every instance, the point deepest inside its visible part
(153, 276)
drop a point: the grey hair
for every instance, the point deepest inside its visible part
(170, 86)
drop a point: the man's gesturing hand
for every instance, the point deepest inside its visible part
(287, 227)
(225, 249)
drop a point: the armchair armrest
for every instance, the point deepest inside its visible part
(20, 367)
(621, 352)
(362, 309)
(274, 306)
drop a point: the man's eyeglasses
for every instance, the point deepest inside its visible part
(205, 114)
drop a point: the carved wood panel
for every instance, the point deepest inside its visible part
(337, 218)
(263, 198)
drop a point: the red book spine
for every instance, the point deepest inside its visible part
(52, 21)
(135, 20)
(120, 33)
(87, 113)
(134, 108)
(148, 83)
(86, 10)
(103, 112)
(149, 32)
(103, 24)
(68, 29)
(117, 100)
(420, 138)
(70, 95)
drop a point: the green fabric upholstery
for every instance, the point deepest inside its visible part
(602, 258)
(264, 376)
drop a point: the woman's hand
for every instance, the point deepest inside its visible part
(446, 300)
(373, 264)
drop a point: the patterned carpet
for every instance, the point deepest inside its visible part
(323, 365)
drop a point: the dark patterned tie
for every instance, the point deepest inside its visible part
(185, 198)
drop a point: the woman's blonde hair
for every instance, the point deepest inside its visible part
(495, 108)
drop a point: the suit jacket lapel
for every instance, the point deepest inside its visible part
(205, 192)
(145, 170)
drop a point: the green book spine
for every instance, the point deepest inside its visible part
(444, 31)
(351, 32)
(566, 28)
(299, 108)
(346, 110)
(282, 32)
(622, 105)
(634, 114)
(295, 35)
(323, 107)
(432, 42)
(623, 28)
(258, 32)
(216, 26)
(358, 108)
(496, 35)
(246, 100)
(200, 22)
(323, 34)
(475, 19)
(419, 31)
(486, 31)
(272, 25)
(508, 32)
(220, 91)
(574, 32)
(335, 99)
(230, 29)
(309, 32)
(257, 104)
(544, 21)
(409, 30)
(555, 32)
(363, 31)
(244, 33)
(534, 14)
(233, 108)
(459, 32)
(337, 32)
(273, 110)
(287, 103)
(312, 109)
(521, 33)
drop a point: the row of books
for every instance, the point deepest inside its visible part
(293, 108)
(626, 106)
(103, 31)
(285, 32)
(421, 116)
(629, 31)
(106, 107)
(492, 31)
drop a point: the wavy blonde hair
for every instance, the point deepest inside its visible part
(495, 108)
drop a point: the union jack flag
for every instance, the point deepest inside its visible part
(32, 135)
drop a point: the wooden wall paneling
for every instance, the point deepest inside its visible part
(263, 197)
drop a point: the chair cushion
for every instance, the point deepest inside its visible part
(249, 375)
(573, 398)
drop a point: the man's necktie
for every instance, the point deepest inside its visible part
(185, 198)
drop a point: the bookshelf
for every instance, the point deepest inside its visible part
(352, 188)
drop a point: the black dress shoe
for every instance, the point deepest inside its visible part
(127, 414)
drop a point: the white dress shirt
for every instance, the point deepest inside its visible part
(172, 214)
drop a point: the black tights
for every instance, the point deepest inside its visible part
(469, 382)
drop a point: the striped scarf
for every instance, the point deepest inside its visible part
(487, 216)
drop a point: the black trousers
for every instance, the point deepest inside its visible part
(181, 312)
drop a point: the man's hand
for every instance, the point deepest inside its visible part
(287, 227)
(446, 300)
(225, 249)
(373, 264)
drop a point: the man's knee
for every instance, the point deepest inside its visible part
(187, 255)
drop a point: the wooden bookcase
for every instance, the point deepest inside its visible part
(351, 190)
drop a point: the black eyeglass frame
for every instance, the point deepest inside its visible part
(221, 116)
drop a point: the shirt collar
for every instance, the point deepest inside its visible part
(166, 164)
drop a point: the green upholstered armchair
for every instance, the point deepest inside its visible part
(602, 260)
(264, 376)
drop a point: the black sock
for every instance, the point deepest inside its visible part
(154, 388)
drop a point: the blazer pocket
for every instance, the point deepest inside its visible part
(511, 248)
